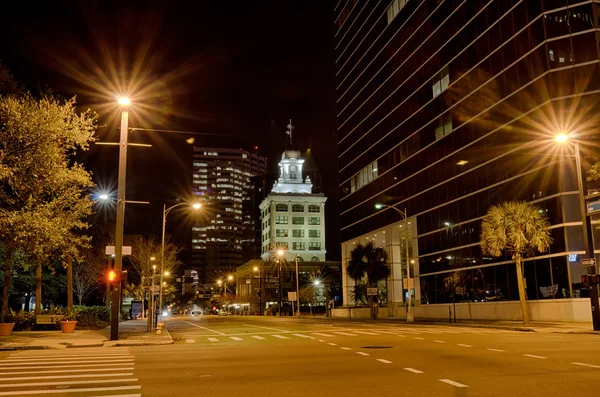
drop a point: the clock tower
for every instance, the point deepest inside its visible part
(290, 174)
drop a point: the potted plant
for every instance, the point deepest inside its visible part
(68, 323)
(7, 324)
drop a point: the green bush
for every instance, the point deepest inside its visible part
(94, 317)
(24, 321)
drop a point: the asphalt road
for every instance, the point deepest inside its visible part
(285, 357)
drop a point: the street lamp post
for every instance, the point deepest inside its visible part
(409, 311)
(162, 246)
(258, 269)
(281, 254)
(588, 241)
(151, 301)
(116, 293)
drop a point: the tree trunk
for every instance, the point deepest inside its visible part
(521, 284)
(38, 289)
(7, 276)
(69, 287)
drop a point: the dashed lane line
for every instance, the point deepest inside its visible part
(496, 350)
(332, 344)
(344, 333)
(213, 339)
(362, 353)
(325, 335)
(418, 337)
(463, 345)
(235, 338)
(586, 365)
(280, 337)
(190, 341)
(345, 348)
(402, 336)
(439, 341)
(365, 333)
(207, 329)
(414, 371)
(303, 336)
(381, 360)
(534, 356)
(258, 337)
(453, 383)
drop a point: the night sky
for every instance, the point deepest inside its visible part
(233, 71)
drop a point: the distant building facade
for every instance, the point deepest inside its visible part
(224, 238)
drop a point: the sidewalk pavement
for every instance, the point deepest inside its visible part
(131, 333)
(534, 326)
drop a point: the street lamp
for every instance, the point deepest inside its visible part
(162, 247)
(151, 299)
(281, 254)
(103, 196)
(257, 269)
(116, 293)
(588, 242)
(409, 311)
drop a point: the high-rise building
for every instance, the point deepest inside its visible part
(292, 216)
(225, 236)
(446, 108)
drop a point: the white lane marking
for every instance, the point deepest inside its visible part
(122, 360)
(362, 353)
(439, 341)
(190, 341)
(77, 382)
(332, 344)
(235, 338)
(534, 356)
(30, 392)
(418, 337)
(453, 383)
(208, 329)
(303, 336)
(463, 345)
(389, 332)
(72, 366)
(587, 365)
(213, 339)
(63, 371)
(365, 333)
(258, 326)
(381, 360)
(402, 336)
(65, 376)
(321, 340)
(122, 395)
(60, 356)
(344, 333)
(495, 350)
(280, 336)
(414, 371)
(258, 337)
(345, 348)
(325, 335)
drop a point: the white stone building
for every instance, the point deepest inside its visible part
(292, 216)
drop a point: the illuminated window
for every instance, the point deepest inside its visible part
(315, 246)
(297, 207)
(314, 233)
(297, 233)
(364, 176)
(444, 126)
(298, 246)
(440, 82)
(281, 233)
(314, 220)
(314, 208)
(394, 9)
(281, 207)
(281, 220)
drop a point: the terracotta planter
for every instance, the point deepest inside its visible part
(68, 327)
(6, 329)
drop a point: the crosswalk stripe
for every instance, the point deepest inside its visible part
(190, 341)
(235, 338)
(64, 370)
(71, 366)
(325, 335)
(121, 395)
(280, 336)
(45, 360)
(257, 337)
(122, 360)
(365, 333)
(54, 357)
(64, 376)
(344, 333)
(303, 336)
(101, 389)
(77, 382)
(213, 339)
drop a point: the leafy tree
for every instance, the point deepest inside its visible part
(520, 229)
(370, 261)
(43, 200)
(87, 273)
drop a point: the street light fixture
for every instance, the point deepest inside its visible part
(281, 253)
(409, 311)
(162, 247)
(124, 101)
(103, 196)
(257, 269)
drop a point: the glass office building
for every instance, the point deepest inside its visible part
(446, 107)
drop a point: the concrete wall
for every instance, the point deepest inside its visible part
(364, 312)
(577, 310)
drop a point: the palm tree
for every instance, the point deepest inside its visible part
(371, 261)
(519, 228)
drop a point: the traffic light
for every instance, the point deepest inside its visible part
(112, 276)
(591, 279)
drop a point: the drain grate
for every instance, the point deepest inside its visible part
(376, 347)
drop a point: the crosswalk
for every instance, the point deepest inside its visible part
(70, 372)
(411, 332)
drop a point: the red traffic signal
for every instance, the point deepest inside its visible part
(591, 279)
(112, 276)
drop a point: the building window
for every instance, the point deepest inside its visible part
(298, 220)
(314, 233)
(297, 233)
(444, 126)
(394, 9)
(281, 220)
(281, 244)
(314, 208)
(440, 82)
(364, 176)
(281, 207)
(297, 208)
(314, 220)
(314, 259)
(298, 246)
(314, 246)
(281, 233)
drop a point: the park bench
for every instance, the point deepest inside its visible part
(48, 318)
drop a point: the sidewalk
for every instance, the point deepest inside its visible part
(131, 333)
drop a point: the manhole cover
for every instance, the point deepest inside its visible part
(376, 347)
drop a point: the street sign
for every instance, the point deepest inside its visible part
(372, 292)
(110, 250)
(292, 296)
(408, 283)
(593, 206)
(588, 262)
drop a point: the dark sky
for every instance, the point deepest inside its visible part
(220, 68)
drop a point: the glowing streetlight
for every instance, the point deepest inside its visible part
(124, 101)
(103, 197)
(167, 273)
(153, 259)
(196, 206)
(561, 138)
(153, 267)
(255, 268)
(219, 282)
(230, 277)
(317, 282)
(281, 253)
